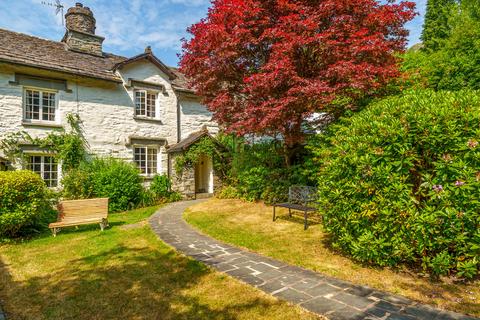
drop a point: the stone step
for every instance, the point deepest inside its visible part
(203, 195)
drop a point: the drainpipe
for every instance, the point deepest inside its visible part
(179, 119)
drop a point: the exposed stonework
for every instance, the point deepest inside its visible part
(79, 41)
(80, 18)
(183, 183)
(80, 35)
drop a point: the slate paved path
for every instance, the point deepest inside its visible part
(333, 298)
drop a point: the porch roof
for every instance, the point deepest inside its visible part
(188, 141)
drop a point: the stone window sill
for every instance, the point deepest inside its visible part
(148, 119)
(41, 124)
(148, 177)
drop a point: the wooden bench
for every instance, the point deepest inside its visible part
(80, 212)
(300, 198)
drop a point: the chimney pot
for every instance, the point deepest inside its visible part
(148, 49)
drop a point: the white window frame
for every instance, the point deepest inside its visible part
(159, 159)
(40, 114)
(146, 93)
(42, 167)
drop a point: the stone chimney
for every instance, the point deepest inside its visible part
(80, 35)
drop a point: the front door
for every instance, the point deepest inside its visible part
(204, 175)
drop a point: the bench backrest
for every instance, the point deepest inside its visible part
(303, 195)
(78, 210)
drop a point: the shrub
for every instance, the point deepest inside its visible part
(258, 172)
(161, 186)
(228, 192)
(24, 202)
(106, 177)
(161, 190)
(400, 182)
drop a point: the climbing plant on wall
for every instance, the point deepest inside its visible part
(205, 146)
(69, 147)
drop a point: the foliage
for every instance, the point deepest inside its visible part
(206, 146)
(228, 192)
(69, 147)
(24, 202)
(161, 185)
(106, 177)
(400, 182)
(455, 64)
(436, 27)
(161, 188)
(265, 66)
(258, 172)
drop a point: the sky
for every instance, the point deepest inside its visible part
(130, 25)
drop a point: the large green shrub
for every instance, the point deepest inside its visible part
(400, 182)
(24, 202)
(106, 177)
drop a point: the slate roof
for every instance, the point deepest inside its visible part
(36, 52)
(188, 141)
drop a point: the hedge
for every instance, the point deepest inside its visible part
(400, 182)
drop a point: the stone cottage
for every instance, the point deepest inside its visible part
(137, 108)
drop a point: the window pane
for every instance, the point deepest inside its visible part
(151, 98)
(35, 163)
(140, 158)
(32, 105)
(46, 167)
(50, 170)
(152, 160)
(140, 103)
(48, 106)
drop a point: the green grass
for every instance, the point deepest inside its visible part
(125, 272)
(249, 225)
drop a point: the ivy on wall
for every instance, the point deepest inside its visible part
(69, 147)
(205, 146)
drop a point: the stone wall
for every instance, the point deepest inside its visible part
(83, 42)
(183, 183)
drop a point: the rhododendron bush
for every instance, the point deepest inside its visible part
(264, 66)
(400, 182)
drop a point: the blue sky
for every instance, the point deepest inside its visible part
(130, 25)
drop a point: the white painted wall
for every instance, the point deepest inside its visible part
(107, 112)
(193, 116)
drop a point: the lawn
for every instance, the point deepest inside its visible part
(249, 225)
(125, 272)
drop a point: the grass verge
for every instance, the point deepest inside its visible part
(249, 225)
(125, 272)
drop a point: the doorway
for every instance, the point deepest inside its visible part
(204, 175)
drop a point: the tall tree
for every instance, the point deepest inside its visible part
(455, 65)
(264, 66)
(436, 26)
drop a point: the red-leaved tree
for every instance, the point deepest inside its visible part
(264, 66)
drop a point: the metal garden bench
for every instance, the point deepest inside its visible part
(300, 198)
